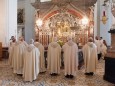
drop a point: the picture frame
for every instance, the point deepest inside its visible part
(20, 16)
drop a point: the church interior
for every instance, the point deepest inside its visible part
(42, 21)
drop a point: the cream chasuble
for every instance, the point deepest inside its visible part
(11, 51)
(19, 57)
(90, 57)
(42, 58)
(103, 50)
(31, 63)
(70, 58)
(54, 57)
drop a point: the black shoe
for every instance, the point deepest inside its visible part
(91, 73)
(52, 74)
(19, 74)
(87, 73)
(67, 76)
(71, 76)
(55, 74)
(42, 72)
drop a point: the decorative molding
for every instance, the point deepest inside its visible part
(73, 12)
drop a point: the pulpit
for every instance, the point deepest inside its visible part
(110, 60)
(0, 51)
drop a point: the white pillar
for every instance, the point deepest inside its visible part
(12, 18)
(29, 21)
(104, 28)
(97, 19)
(3, 22)
(8, 20)
(101, 29)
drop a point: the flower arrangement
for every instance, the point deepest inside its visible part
(61, 43)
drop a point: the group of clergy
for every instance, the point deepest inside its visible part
(28, 59)
(101, 47)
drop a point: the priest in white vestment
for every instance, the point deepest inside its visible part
(90, 57)
(18, 56)
(54, 57)
(104, 49)
(98, 44)
(70, 58)
(31, 63)
(11, 51)
(42, 58)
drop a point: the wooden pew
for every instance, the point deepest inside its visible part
(0, 51)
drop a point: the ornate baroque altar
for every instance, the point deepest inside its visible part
(63, 20)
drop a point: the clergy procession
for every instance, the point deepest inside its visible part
(28, 59)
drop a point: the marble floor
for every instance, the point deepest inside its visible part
(7, 78)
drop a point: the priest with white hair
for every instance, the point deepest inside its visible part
(11, 51)
(21, 39)
(18, 56)
(31, 62)
(42, 58)
(90, 57)
(54, 57)
(70, 58)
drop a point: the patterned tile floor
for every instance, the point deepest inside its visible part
(7, 78)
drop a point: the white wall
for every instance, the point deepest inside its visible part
(8, 20)
(21, 4)
(101, 29)
(29, 19)
(12, 18)
(3, 36)
(104, 28)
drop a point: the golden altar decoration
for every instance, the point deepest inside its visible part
(62, 25)
(62, 21)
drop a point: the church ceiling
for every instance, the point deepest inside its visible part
(82, 5)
